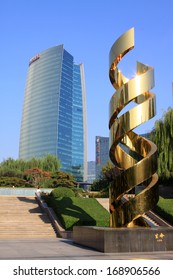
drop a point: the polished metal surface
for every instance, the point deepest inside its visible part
(134, 157)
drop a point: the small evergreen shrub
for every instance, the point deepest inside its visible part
(14, 181)
(79, 192)
(62, 192)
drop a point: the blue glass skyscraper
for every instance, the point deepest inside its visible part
(54, 111)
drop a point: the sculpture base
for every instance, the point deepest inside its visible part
(114, 240)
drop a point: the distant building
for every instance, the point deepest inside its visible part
(54, 111)
(102, 153)
(91, 171)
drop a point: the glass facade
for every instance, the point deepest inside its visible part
(91, 171)
(53, 118)
(102, 153)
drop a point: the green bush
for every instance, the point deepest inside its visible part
(79, 192)
(98, 194)
(46, 183)
(14, 181)
(62, 192)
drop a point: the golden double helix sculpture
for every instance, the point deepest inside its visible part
(134, 157)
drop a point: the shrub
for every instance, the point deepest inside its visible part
(14, 181)
(62, 192)
(79, 192)
(46, 183)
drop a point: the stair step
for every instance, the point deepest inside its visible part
(21, 217)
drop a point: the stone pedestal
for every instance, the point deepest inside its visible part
(114, 240)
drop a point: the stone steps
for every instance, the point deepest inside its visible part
(21, 217)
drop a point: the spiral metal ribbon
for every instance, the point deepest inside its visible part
(134, 157)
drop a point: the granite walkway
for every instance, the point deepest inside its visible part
(63, 249)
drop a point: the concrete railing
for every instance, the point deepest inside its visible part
(60, 231)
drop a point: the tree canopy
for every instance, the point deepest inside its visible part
(49, 163)
(106, 176)
(43, 172)
(162, 136)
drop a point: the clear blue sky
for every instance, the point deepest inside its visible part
(87, 29)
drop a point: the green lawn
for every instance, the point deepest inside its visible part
(164, 208)
(79, 211)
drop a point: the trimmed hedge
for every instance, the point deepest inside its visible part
(62, 192)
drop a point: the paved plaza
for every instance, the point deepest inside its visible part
(63, 249)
